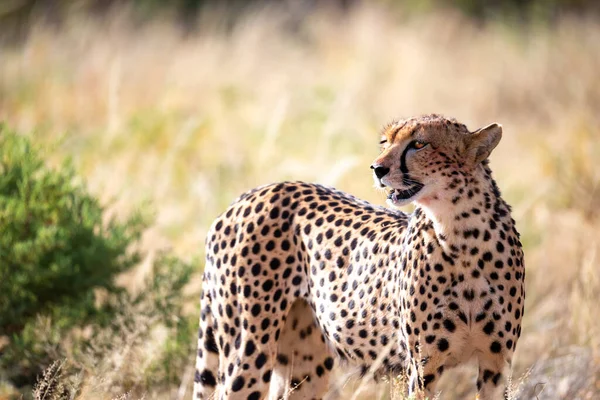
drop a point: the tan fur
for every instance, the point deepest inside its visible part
(299, 275)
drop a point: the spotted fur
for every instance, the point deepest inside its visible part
(300, 276)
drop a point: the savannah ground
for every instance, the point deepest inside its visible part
(189, 120)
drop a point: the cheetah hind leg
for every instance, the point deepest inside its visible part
(207, 358)
(304, 361)
(421, 381)
(491, 380)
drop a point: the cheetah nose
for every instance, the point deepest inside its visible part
(380, 171)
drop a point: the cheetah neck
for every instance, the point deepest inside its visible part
(465, 207)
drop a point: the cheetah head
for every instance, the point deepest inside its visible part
(422, 157)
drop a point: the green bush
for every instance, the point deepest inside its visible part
(54, 246)
(57, 254)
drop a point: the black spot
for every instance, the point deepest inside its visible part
(487, 374)
(254, 396)
(427, 379)
(255, 310)
(207, 378)
(274, 214)
(489, 328)
(469, 294)
(328, 363)
(265, 323)
(265, 338)
(267, 285)
(430, 248)
(275, 263)
(238, 384)
(442, 344)
(282, 359)
(209, 343)
(331, 276)
(495, 347)
(449, 325)
(267, 376)
(250, 348)
(496, 378)
(261, 359)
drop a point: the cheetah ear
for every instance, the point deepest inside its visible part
(480, 143)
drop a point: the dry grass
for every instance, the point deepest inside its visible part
(190, 122)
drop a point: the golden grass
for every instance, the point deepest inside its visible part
(190, 122)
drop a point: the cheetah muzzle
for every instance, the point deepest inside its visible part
(397, 196)
(300, 277)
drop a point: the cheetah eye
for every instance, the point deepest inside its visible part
(383, 141)
(418, 145)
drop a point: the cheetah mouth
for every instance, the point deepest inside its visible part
(397, 195)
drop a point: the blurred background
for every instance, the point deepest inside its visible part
(128, 126)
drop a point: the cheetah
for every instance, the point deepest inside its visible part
(300, 276)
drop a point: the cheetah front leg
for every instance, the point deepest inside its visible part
(430, 357)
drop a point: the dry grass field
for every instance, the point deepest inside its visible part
(188, 122)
